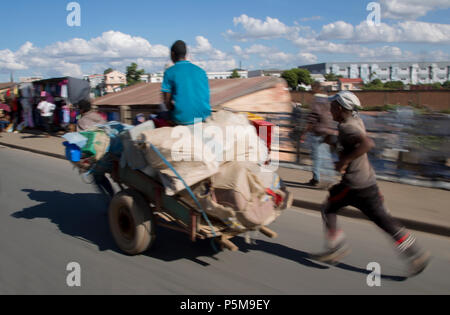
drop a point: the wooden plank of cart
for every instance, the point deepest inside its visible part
(137, 209)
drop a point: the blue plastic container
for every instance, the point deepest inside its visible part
(73, 152)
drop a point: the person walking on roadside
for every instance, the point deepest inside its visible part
(46, 110)
(320, 125)
(359, 188)
(89, 119)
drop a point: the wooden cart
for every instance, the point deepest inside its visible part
(137, 209)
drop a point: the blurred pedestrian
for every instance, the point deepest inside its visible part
(89, 119)
(46, 110)
(319, 124)
(139, 119)
(359, 188)
(15, 113)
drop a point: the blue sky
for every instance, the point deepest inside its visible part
(261, 34)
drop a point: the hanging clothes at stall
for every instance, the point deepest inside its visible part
(26, 90)
(78, 90)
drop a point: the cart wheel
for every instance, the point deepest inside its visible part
(131, 222)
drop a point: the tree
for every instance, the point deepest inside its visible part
(394, 85)
(303, 76)
(436, 86)
(109, 70)
(291, 78)
(133, 74)
(446, 85)
(296, 76)
(235, 75)
(374, 85)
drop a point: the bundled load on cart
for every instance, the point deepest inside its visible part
(209, 180)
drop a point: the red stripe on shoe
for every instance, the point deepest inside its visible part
(404, 238)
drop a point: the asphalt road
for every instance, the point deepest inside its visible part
(49, 218)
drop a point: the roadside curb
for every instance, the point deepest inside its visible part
(346, 212)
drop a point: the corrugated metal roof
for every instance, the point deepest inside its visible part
(221, 91)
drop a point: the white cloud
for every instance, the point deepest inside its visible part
(216, 65)
(203, 45)
(385, 52)
(206, 56)
(280, 57)
(204, 50)
(410, 9)
(66, 58)
(305, 58)
(258, 49)
(337, 30)
(403, 32)
(322, 46)
(259, 29)
(9, 62)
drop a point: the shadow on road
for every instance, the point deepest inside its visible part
(278, 250)
(84, 216)
(302, 257)
(367, 272)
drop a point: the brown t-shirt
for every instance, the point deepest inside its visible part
(360, 173)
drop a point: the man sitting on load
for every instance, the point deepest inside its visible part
(185, 89)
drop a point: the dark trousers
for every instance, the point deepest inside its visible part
(47, 123)
(368, 200)
(371, 203)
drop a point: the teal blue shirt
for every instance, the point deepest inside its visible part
(189, 87)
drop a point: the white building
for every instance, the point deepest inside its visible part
(157, 77)
(145, 78)
(95, 80)
(226, 74)
(407, 72)
(114, 81)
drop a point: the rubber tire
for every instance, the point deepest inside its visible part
(139, 222)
